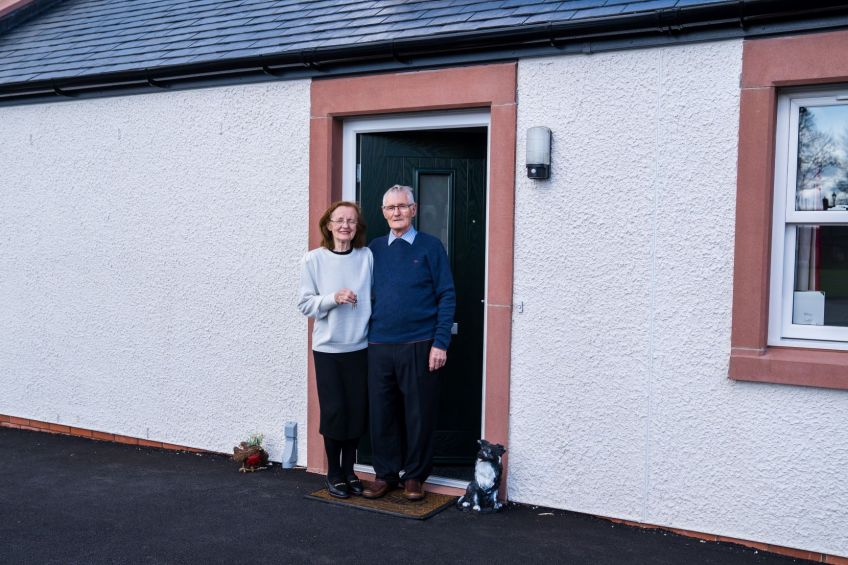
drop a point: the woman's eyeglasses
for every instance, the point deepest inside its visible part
(351, 223)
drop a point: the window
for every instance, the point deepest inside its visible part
(435, 198)
(809, 271)
(789, 267)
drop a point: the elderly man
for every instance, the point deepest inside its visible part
(412, 314)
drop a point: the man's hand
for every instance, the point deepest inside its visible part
(438, 358)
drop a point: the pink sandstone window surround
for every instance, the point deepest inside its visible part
(767, 66)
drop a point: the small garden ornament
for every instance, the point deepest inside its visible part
(482, 493)
(251, 454)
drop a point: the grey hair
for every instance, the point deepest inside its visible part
(410, 197)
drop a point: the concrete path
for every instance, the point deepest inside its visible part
(71, 500)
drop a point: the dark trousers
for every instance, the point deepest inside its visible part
(403, 396)
(342, 380)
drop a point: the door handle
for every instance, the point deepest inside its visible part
(455, 328)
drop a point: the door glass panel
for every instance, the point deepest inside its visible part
(822, 176)
(821, 276)
(434, 199)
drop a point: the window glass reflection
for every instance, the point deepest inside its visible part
(822, 176)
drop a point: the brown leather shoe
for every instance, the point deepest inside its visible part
(412, 490)
(377, 489)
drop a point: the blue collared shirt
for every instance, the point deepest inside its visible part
(408, 236)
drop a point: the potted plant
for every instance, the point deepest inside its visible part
(251, 454)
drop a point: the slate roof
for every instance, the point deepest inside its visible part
(97, 44)
(77, 38)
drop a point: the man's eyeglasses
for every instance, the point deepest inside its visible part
(351, 223)
(401, 207)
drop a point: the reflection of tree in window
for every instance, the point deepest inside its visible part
(821, 265)
(822, 175)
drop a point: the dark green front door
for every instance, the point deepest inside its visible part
(447, 170)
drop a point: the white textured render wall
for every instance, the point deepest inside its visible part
(620, 403)
(149, 250)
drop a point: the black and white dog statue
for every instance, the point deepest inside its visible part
(482, 493)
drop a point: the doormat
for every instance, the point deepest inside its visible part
(393, 504)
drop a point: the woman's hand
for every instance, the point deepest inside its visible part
(345, 296)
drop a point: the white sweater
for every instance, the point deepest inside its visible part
(339, 328)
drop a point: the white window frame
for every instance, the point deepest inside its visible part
(782, 332)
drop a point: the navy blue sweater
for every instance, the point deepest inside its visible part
(413, 294)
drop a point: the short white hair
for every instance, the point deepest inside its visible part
(410, 197)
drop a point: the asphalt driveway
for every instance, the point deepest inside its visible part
(72, 500)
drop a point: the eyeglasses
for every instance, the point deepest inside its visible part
(401, 207)
(340, 222)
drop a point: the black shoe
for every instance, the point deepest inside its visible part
(337, 489)
(354, 485)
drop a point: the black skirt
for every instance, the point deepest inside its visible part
(342, 380)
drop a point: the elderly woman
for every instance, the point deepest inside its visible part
(335, 290)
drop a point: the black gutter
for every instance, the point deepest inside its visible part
(725, 20)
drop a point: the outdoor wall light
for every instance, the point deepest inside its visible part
(538, 153)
